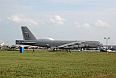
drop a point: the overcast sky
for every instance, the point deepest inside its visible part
(59, 19)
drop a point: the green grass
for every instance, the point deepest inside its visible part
(43, 64)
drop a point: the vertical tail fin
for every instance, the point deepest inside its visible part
(27, 35)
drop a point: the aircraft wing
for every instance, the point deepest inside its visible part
(70, 45)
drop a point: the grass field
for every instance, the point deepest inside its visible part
(43, 64)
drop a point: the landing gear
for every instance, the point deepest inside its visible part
(68, 50)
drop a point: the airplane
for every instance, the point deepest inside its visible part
(3, 46)
(30, 39)
(2, 43)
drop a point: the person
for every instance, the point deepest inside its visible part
(33, 49)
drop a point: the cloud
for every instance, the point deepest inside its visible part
(57, 19)
(77, 24)
(97, 24)
(20, 19)
(23, 20)
(84, 25)
(101, 23)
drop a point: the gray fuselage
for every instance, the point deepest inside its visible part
(44, 42)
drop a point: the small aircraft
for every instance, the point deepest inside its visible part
(2, 44)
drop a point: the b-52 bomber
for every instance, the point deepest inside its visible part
(30, 39)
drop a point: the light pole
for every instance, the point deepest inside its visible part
(106, 38)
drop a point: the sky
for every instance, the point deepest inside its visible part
(59, 19)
